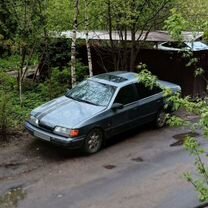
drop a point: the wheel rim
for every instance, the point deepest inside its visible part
(94, 141)
(161, 119)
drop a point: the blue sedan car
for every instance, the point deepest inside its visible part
(97, 109)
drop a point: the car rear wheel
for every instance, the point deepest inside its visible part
(161, 119)
(93, 141)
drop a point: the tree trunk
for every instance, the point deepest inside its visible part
(45, 69)
(133, 51)
(110, 29)
(89, 56)
(73, 44)
(20, 73)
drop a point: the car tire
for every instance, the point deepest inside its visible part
(93, 141)
(161, 118)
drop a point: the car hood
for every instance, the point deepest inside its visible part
(65, 112)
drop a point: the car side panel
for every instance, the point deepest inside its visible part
(120, 120)
(102, 120)
(111, 122)
(148, 109)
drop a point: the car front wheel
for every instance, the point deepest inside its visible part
(93, 141)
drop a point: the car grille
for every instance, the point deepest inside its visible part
(45, 127)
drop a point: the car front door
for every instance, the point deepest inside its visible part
(121, 118)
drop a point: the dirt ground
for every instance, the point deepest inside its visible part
(144, 166)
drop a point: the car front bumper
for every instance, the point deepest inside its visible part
(71, 143)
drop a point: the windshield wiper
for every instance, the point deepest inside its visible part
(69, 96)
(73, 98)
(80, 100)
(86, 101)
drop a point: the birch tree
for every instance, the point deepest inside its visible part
(89, 56)
(73, 44)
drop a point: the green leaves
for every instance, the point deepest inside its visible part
(175, 25)
(195, 13)
(191, 144)
(199, 72)
(147, 78)
(4, 115)
(60, 15)
(175, 121)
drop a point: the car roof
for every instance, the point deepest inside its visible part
(197, 46)
(123, 78)
(117, 78)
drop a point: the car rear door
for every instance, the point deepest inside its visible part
(149, 103)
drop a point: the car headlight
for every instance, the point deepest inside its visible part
(34, 120)
(66, 132)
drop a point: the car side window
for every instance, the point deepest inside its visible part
(126, 95)
(144, 92)
(175, 45)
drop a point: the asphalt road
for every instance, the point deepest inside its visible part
(142, 169)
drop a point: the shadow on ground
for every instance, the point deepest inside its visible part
(53, 153)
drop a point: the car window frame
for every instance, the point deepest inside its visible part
(147, 97)
(135, 91)
(175, 45)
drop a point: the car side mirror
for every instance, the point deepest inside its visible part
(117, 106)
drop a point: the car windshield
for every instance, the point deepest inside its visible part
(92, 92)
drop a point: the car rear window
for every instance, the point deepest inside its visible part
(144, 91)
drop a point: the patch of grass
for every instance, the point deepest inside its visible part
(34, 94)
(12, 63)
(4, 114)
(9, 63)
(13, 115)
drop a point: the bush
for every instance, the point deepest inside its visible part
(60, 80)
(56, 85)
(81, 71)
(7, 83)
(4, 115)
(12, 114)
(10, 63)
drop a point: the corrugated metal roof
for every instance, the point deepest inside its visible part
(157, 36)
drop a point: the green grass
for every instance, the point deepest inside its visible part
(11, 63)
(33, 94)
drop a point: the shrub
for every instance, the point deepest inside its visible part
(10, 63)
(7, 83)
(4, 114)
(60, 80)
(81, 71)
(12, 114)
(56, 84)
